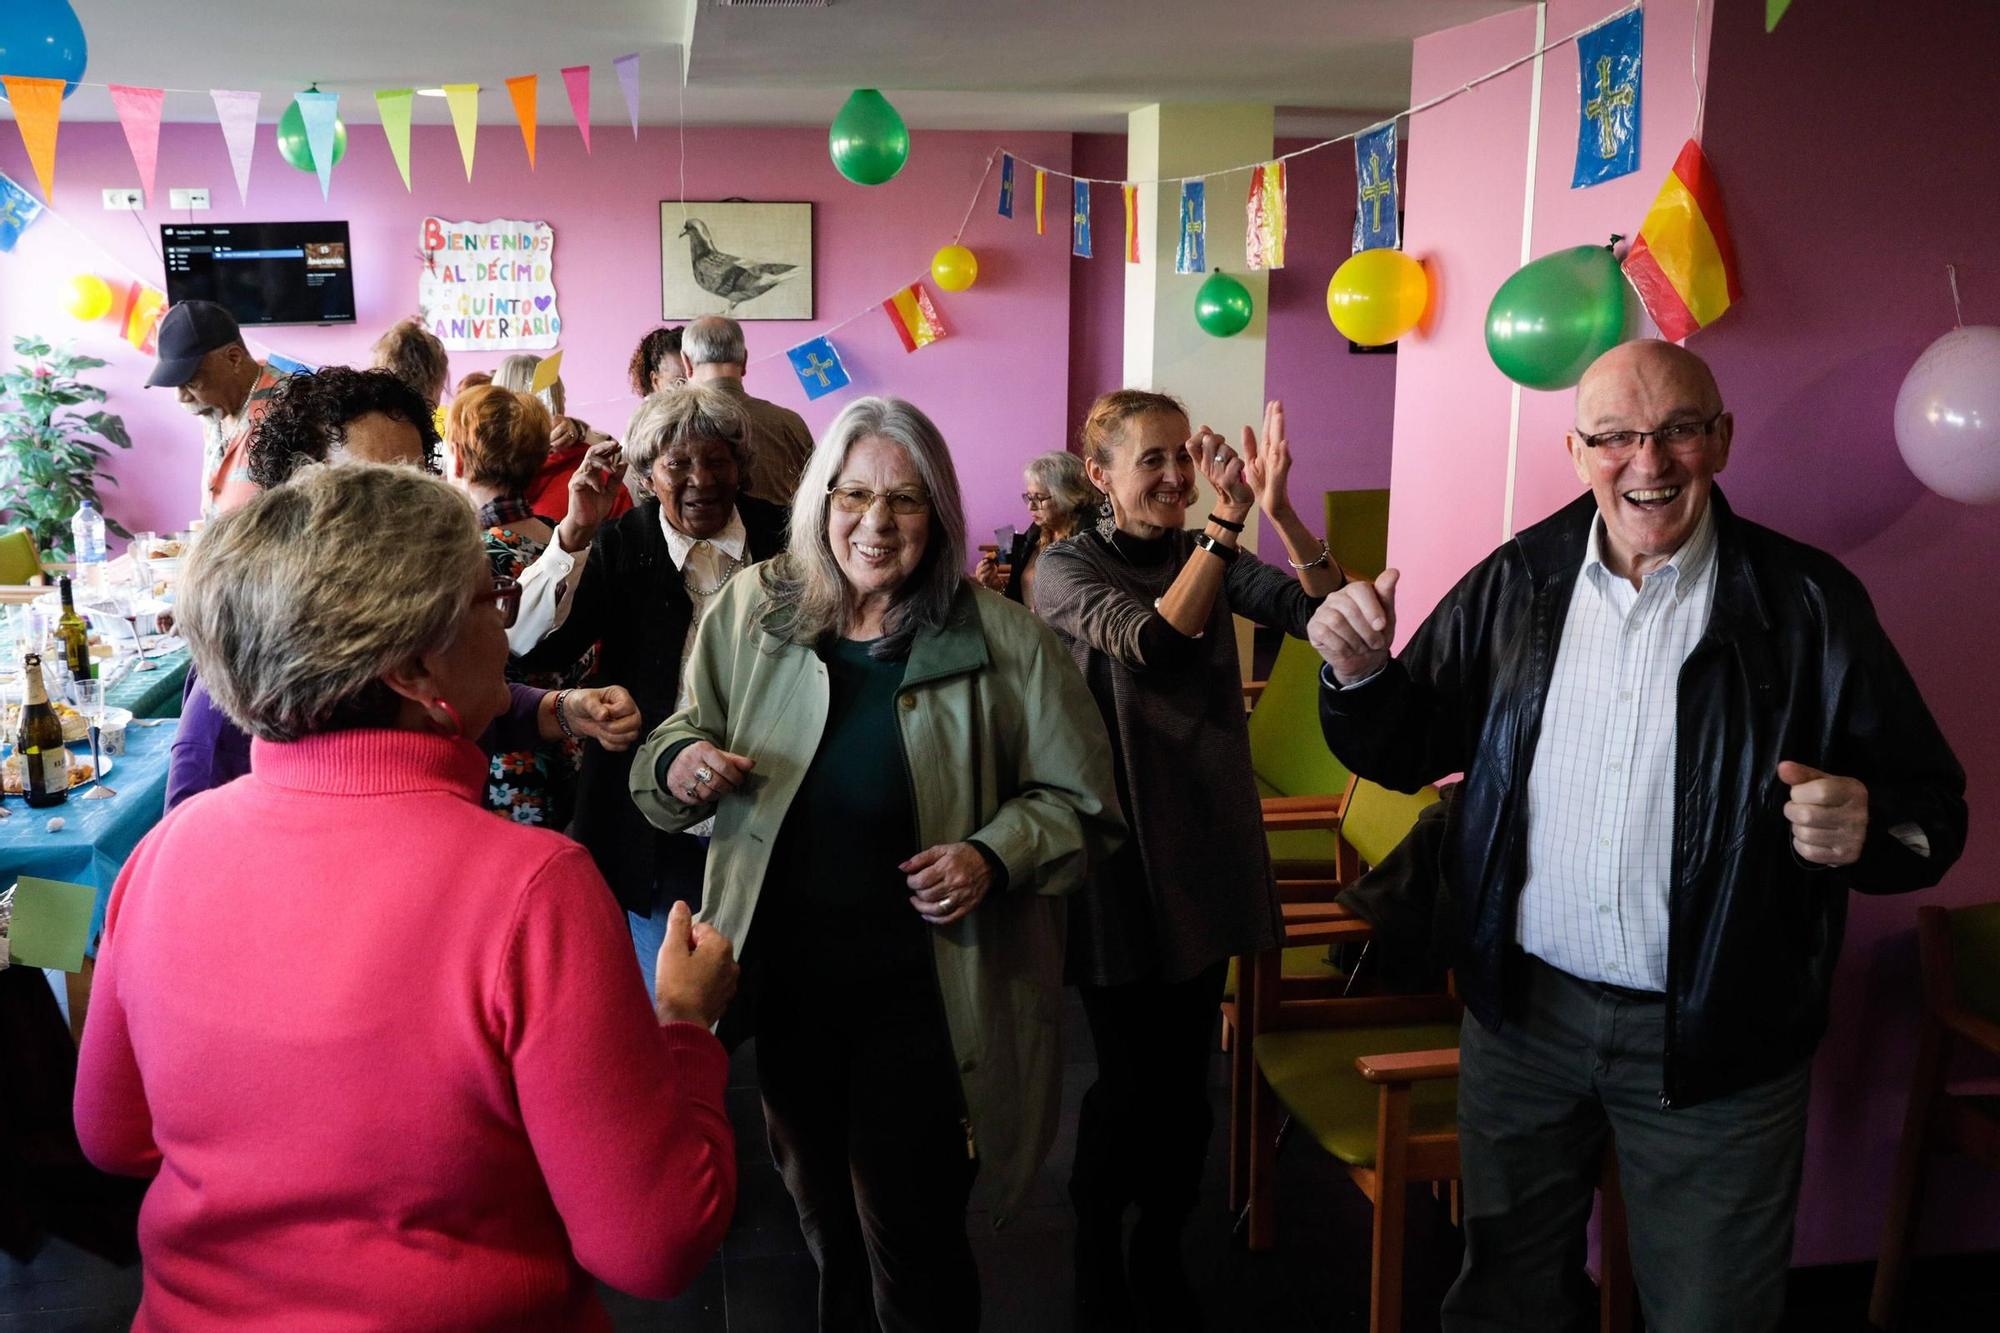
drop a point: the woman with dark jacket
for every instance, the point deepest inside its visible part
(1062, 501)
(643, 587)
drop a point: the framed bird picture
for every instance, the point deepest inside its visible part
(730, 257)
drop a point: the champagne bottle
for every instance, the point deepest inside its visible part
(44, 761)
(75, 635)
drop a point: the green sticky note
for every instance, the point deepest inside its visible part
(1773, 11)
(51, 923)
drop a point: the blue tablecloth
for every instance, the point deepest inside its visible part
(96, 836)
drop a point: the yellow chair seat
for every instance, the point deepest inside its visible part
(1312, 1072)
(1301, 960)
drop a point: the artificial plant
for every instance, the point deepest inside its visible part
(51, 451)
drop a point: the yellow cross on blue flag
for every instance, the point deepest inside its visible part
(1006, 185)
(1079, 221)
(1376, 204)
(1607, 130)
(18, 212)
(1191, 255)
(818, 367)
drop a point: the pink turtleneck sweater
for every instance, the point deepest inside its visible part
(389, 1060)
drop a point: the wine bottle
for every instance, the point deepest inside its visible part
(75, 635)
(44, 761)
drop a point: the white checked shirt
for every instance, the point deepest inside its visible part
(1601, 791)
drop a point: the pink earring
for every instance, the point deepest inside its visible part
(457, 723)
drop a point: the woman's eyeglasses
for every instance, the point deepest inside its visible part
(859, 500)
(506, 599)
(1034, 500)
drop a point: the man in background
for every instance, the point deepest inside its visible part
(712, 351)
(203, 357)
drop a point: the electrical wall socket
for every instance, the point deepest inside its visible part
(130, 201)
(191, 200)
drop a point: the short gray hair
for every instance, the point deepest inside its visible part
(1061, 474)
(685, 412)
(517, 372)
(714, 340)
(293, 606)
(809, 596)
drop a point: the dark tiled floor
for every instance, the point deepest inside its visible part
(1316, 1280)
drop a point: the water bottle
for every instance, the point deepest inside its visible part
(87, 528)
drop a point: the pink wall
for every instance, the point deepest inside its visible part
(1339, 406)
(1841, 296)
(998, 388)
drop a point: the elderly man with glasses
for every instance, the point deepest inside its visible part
(1685, 739)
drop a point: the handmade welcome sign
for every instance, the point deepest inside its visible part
(489, 286)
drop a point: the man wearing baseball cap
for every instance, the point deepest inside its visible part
(203, 357)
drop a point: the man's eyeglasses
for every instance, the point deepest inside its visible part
(1034, 500)
(859, 500)
(506, 599)
(1679, 437)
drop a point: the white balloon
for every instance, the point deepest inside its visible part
(1948, 415)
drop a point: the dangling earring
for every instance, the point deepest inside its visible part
(457, 729)
(1106, 524)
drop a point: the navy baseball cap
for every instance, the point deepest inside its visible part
(189, 332)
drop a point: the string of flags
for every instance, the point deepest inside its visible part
(37, 106)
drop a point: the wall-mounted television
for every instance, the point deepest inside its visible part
(263, 272)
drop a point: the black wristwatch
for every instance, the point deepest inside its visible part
(1215, 548)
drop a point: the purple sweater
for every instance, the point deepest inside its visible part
(210, 750)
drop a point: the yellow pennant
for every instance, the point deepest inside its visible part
(463, 99)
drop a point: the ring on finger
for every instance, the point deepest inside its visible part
(704, 774)
(946, 902)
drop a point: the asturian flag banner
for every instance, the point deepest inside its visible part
(1377, 203)
(1191, 255)
(817, 364)
(1006, 185)
(1608, 95)
(1079, 220)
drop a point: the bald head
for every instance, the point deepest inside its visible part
(1645, 368)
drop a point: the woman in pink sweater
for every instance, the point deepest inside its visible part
(381, 1052)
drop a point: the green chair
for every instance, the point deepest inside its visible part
(1302, 784)
(19, 561)
(1958, 952)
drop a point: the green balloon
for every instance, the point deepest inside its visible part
(292, 145)
(1558, 314)
(1222, 306)
(868, 141)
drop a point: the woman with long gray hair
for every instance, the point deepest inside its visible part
(905, 773)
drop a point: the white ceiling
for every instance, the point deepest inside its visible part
(1075, 65)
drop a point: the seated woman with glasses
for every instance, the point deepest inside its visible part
(338, 414)
(496, 440)
(647, 579)
(1061, 501)
(905, 771)
(376, 1049)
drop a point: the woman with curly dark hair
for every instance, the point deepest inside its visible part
(655, 362)
(340, 413)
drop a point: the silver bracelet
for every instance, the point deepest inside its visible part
(1324, 556)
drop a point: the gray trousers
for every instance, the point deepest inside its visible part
(1710, 1190)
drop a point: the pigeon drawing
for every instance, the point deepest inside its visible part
(734, 280)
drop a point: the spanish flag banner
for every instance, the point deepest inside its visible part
(1264, 233)
(1683, 265)
(915, 318)
(1131, 224)
(1041, 183)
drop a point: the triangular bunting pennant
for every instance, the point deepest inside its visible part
(1264, 230)
(393, 106)
(463, 99)
(576, 80)
(139, 113)
(522, 89)
(320, 111)
(1773, 11)
(236, 112)
(628, 79)
(37, 111)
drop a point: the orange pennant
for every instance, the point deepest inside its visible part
(522, 89)
(38, 109)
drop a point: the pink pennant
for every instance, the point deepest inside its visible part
(576, 78)
(139, 112)
(628, 78)
(237, 113)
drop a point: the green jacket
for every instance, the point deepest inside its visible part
(1003, 743)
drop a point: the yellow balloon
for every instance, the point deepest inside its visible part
(1377, 296)
(955, 268)
(89, 297)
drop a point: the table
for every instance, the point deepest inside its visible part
(154, 693)
(96, 836)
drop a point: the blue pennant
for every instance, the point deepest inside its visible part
(1006, 185)
(1377, 202)
(1191, 255)
(1608, 100)
(19, 210)
(1079, 221)
(818, 367)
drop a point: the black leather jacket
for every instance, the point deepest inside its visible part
(1793, 665)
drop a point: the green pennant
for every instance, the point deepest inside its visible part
(394, 107)
(1773, 11)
